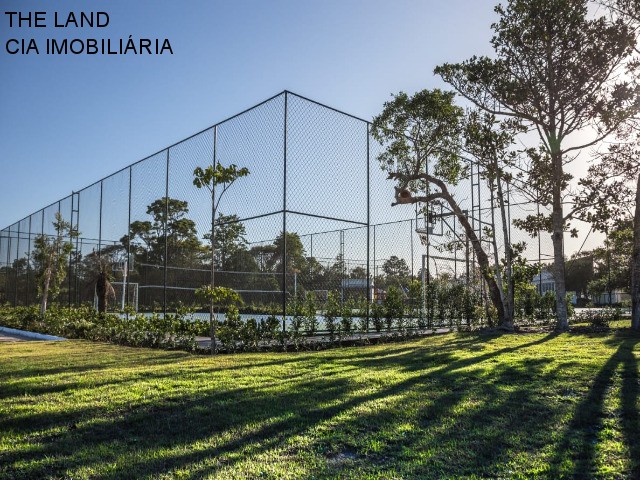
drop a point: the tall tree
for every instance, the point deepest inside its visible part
(229, 240)
(422, 136)
(50, 256)
(611, 194)
(168, 220)
(217, 179)
(490, 143)
(556, 69)
(289, 253)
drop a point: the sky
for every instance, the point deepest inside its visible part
(67, 121)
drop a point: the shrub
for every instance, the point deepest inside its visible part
(597, 318)
(230, 332)
(393, 306)
(331, 314)
(377, 315)
(310, 310)
(346, 320)
(363, 320)
(269, 327)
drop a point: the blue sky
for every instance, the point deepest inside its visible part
(67, 121)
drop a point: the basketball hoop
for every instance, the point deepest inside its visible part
(126, 265)
(424, 233)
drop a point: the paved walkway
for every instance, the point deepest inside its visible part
(9, 337)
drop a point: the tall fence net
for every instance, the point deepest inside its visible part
(313, 216)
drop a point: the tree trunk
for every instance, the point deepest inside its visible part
(101, 292)
(557, 237)
(635, 264)
(212, 316)
(483, 258)
(45, 291)
(507, 321)
(509, 303)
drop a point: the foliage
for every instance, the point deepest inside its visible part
(168, 221)
(141, 330)
(598, 318)
(346, 318)
(219, 296)
(396, 271)
(332, 311)
(377, 316)
(230, 331)
(310, 319)
(229, 244)
(50, 256)
(393, 307)
(559, 69)
(422, 136)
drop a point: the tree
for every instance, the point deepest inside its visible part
(490, 142)
(50, 254)
(216, 177)
(396, 271)
(229, 240)
(217, 297)
(422, 136)
(104, 289)
(611, 191)
(557, 70)
(96, 272)
(169, 221)
(358, 272)
(395, 267)
(288, 253)
(579, 272)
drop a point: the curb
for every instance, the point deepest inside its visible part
(31, 335)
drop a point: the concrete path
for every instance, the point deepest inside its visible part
(14, 335)
(9, 337)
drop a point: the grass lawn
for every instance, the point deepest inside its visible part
(451, 406)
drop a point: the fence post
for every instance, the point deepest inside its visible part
(166, 244)
(368, 227)
(284, 218)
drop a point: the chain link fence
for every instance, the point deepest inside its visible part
(312, 217)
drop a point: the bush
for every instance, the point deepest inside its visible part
(597, 318)
(140, 330)
(331, 314)
(346, 320)
(310, 310)
(377, 315)
(363, 320)
(393, 307)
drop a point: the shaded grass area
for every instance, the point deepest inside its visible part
(453, 406)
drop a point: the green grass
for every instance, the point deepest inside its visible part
(452, 406)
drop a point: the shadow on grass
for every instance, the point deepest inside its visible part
(577, 449)
(430, 415)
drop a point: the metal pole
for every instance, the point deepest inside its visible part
(166, 243)
(28, 299)
(284, 219)
(411, 240)
(375, 270)
(608, 268)
(100, 223)
(6, 278)
(16, 263)
(125, 286)
(369, 292)
(78, 241)
(213, 346)
(69, 270)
